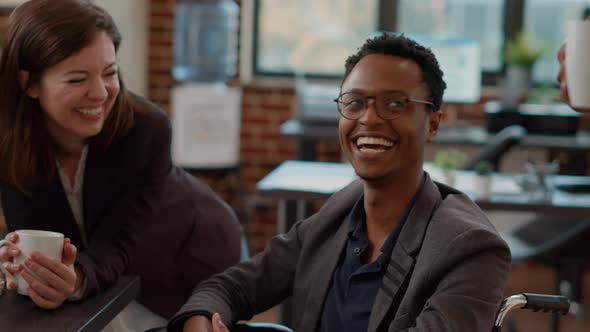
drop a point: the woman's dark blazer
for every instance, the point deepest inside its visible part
(142, 215)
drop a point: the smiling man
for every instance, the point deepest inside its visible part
(393, 251)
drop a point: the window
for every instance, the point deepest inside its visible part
(315, 36)
(477, 19)
(309, 35)
(550, 35)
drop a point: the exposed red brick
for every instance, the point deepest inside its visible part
(161, 8)
(164, 63)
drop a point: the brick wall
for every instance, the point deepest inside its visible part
(261, 145)
(161, 26)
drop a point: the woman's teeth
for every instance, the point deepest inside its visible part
(90, 111)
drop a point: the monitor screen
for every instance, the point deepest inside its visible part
(459, 59)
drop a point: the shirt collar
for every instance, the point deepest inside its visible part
(357, 220)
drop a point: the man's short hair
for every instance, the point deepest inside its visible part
(400, 45)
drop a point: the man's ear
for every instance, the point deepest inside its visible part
(30, 89)
(433, 124)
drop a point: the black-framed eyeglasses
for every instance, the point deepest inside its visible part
(389, 105)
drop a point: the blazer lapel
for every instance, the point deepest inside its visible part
(398, 271)
(402, 260)
(95, 180)
(329, 255)
(325, 259)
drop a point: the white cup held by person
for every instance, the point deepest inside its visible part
(46, 242)
(577, 62)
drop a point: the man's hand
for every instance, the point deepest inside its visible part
(202, 324)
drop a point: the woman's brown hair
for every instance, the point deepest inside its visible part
(42, 33)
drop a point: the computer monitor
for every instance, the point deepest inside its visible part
(459, 59)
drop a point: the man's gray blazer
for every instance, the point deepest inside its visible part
(446, 273)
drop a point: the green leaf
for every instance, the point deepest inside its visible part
(519, 51)
(449, 159)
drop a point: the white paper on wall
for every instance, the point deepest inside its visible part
(206, 125)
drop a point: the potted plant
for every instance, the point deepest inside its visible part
(483, 179)
(448, 161)
(520, 56)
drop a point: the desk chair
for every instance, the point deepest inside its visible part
(561, 244)
(499, 144)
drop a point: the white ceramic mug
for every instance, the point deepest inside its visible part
(29, 240)
(577, 61)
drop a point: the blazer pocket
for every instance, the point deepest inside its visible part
(401, 323)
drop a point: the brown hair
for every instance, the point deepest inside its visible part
(42, 33)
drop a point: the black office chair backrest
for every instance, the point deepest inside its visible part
(550, 237)
(499, 144)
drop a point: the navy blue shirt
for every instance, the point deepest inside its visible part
(354, 284)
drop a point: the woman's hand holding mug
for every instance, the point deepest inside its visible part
(7, 255)
(47, 273)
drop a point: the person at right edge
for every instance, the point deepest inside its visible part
(392, 251)
(561, 77)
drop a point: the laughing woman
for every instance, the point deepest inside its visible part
(81, 155)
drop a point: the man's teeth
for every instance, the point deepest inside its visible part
(373, 141)
(90, 111)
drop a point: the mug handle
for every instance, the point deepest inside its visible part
(2, 268)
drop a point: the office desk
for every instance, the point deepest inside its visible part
(19, 313)
(302, 181)
(309, 133)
